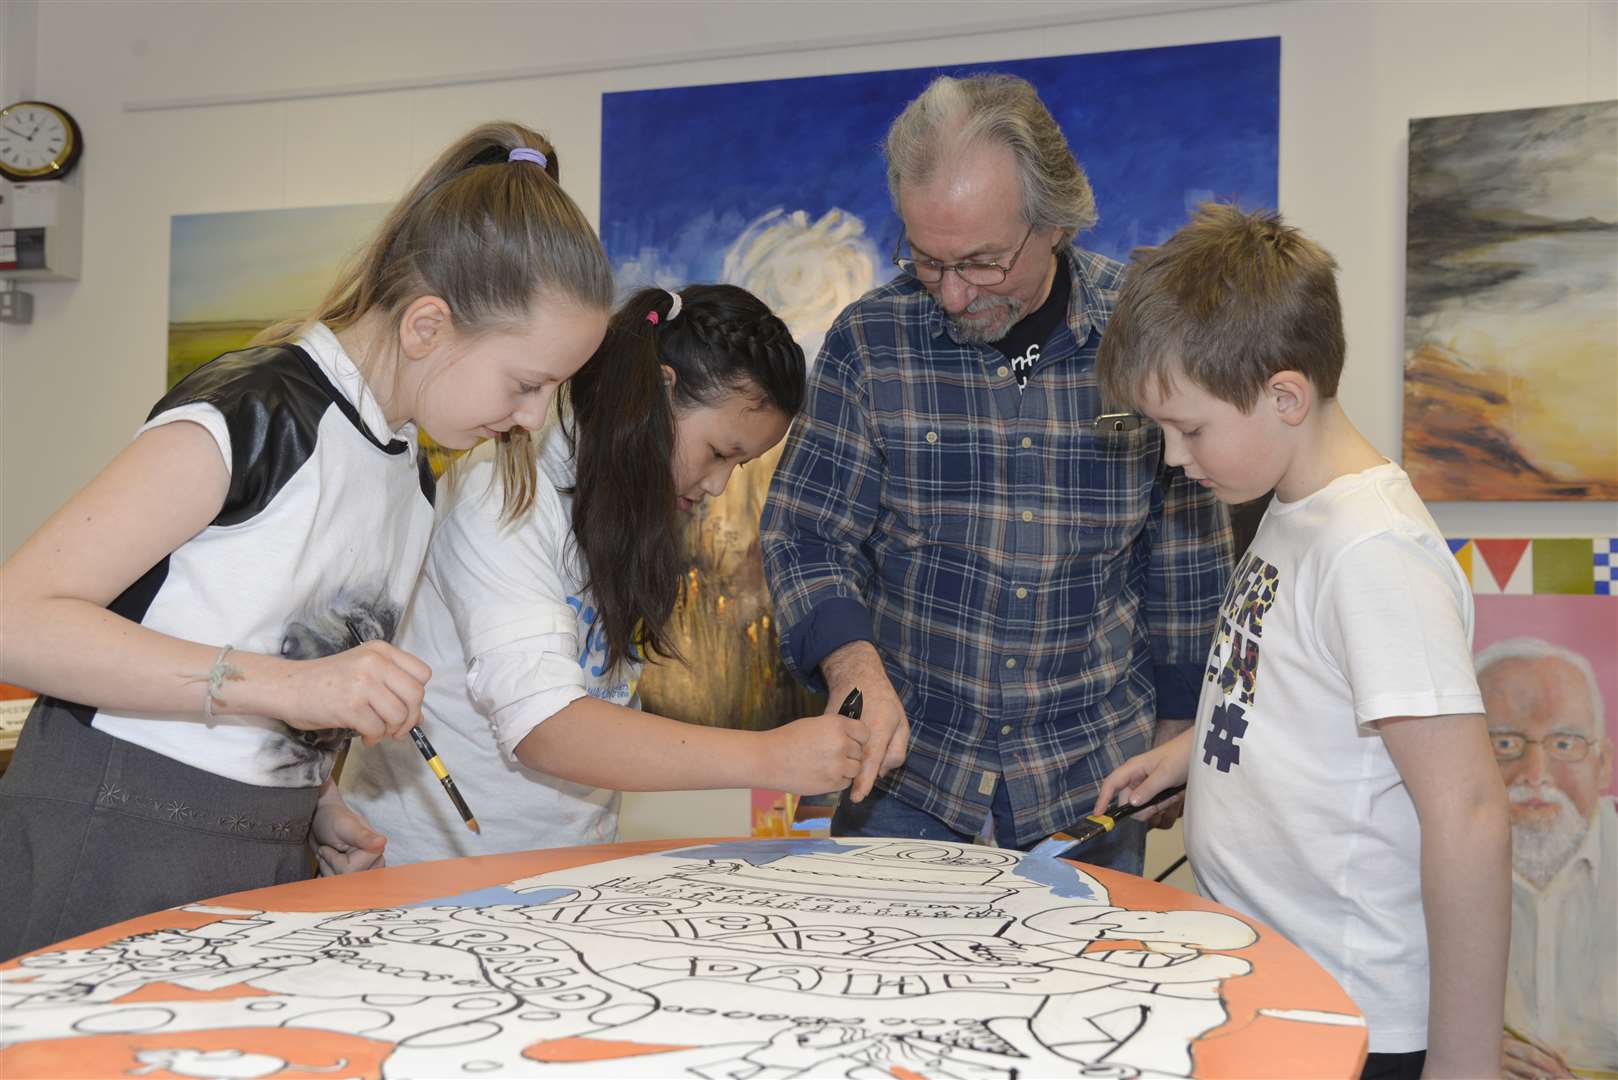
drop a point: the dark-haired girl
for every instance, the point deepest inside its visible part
(546, 584)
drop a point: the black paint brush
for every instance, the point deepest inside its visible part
(1062, 844)
(434, 762)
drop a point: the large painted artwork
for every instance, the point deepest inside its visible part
(1547, 658)
(1511, 305)
(743, 959)
(231, 275)
(778, 186)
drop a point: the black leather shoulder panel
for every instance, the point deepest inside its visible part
(272, 399)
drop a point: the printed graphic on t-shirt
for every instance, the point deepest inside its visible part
(1022, 365)
(593, 647)
(593, 653)
(332, 624)
(1233, 661)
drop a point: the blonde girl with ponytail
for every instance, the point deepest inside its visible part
(210, 619)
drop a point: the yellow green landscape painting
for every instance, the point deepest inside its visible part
(233, 274)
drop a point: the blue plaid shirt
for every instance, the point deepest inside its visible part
(1040, 591)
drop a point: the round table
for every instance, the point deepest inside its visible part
(741, 959)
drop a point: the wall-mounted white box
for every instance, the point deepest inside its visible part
(41, 230)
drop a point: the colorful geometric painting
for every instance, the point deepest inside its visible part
(1511, 305)
(231, 275)
(1546, 566)
(1546, 647)
(779, 186)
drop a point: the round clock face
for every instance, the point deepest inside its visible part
(37, 141)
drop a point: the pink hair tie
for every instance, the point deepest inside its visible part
(675, 304)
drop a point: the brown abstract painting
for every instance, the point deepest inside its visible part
(1511, 305)
(732, 675)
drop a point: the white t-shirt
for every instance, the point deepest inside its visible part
(503, 618)
(318, 544)
(1348, 608)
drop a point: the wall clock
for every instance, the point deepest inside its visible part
(38, 141)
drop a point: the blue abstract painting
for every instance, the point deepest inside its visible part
(688, 171)
(779, 186)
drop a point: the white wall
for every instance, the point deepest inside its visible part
(76, 382)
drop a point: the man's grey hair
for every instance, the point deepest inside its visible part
(953, 116)
(1529, 648)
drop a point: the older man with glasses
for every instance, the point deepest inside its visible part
(1019, 591)
(1546, 720)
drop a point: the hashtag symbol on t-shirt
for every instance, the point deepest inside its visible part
(1226, 726)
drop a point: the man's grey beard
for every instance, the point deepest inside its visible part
(1539, 851)
(986, 333)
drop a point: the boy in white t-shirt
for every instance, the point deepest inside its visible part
(1340, 781)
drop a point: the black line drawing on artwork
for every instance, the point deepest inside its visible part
(751, 960)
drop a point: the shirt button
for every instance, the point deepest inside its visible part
(1027, 442)
(1006, 730)
(1002, 371)
(932, 436)
(1011, 661)
(1028, 515)
(1022, 593)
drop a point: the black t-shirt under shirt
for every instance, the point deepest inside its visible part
(1023, 342)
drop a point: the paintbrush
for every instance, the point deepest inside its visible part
(437, 765)
(1063, 843)
(434, 762)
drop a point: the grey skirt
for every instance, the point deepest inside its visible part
(95, 830)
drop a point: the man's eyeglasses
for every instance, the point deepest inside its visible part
(931, 271)
(1510, 745)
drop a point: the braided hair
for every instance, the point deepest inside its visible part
(723, 341)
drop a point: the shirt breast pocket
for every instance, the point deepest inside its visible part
(932, 488)
(1115, 471)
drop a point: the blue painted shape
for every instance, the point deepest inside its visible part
(684, 170)
(1049, 849)
(764, 852)
(494, 895)
(1060, 877)
(1456, 545)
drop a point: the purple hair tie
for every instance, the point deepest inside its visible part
(524, 153)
